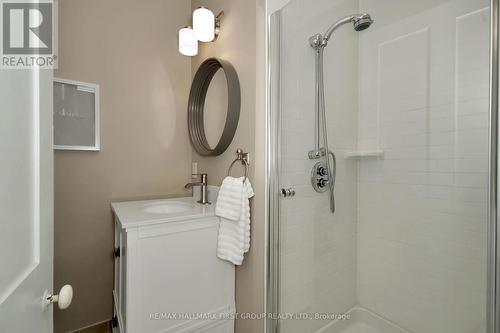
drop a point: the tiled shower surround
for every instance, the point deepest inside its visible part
(408, 239)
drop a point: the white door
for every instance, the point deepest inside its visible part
(26, 200)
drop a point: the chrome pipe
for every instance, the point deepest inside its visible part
(316, 104)
(316, 152)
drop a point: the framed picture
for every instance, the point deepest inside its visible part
(76, 115)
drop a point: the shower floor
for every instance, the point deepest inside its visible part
(362, 321)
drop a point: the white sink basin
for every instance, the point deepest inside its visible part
(167, 207)
(131, 214)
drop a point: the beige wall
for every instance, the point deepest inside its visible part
(237, 43)
(129, 48)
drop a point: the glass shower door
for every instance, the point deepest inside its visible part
(407, 116)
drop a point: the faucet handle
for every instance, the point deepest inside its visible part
(203, 176)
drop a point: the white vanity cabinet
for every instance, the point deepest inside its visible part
(167, 275)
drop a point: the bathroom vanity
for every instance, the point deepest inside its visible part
(167, 275)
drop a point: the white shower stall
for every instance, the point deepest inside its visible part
(407, 104)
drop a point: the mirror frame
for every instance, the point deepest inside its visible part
(196, 106)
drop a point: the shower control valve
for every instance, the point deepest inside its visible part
(319, 177)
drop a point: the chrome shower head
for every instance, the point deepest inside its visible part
(362, 22)
(359, 21)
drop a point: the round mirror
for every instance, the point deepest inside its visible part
(215, 111)
(214, 107)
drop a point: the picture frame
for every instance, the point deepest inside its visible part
(76, 115)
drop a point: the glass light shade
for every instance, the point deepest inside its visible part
(204, 24)
(188, 44)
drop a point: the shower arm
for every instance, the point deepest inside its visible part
(337, 24)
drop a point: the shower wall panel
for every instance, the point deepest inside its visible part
(422, 209)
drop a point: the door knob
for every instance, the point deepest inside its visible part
(63, 299)
(287, 192)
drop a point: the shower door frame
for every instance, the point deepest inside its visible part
(493, 283)
(273, 155)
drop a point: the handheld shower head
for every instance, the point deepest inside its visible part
(362, 22)
(359, 21)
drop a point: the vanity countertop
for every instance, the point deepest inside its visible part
(148, 212)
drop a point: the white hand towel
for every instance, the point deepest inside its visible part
(234, 235)
(230, 198)
(248, 193)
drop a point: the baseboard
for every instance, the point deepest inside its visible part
(96, 327)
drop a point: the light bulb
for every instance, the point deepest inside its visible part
(204, 24)
(188, 44)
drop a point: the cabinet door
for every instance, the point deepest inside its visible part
(123, 278)
(174, 270)
(116, 286)
(120, 276)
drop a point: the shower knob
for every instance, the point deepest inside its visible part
(322, 171)
(322, 182)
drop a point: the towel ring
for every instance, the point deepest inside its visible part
(243, 158)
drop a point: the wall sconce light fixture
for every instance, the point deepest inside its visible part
(188, 44)
(206, 28)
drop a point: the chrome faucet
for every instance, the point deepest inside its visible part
(203, 190)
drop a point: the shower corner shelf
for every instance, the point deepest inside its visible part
(364, 153)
